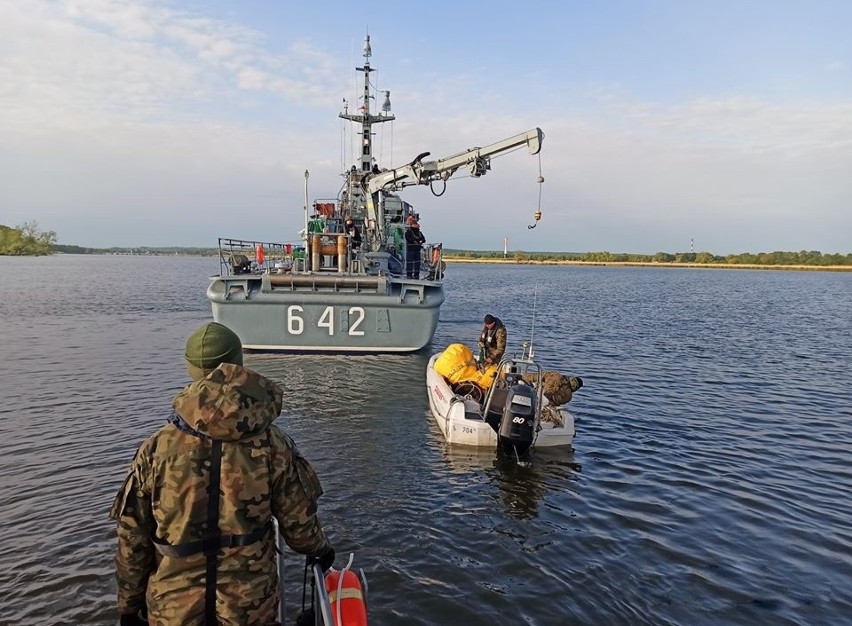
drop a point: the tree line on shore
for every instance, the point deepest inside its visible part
(29, 240)
(804, 257)
(26, 240)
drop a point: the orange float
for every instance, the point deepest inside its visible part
(260, 254)
(346, 598)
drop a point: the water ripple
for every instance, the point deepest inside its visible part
(708, 485)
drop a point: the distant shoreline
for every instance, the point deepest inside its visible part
(449, 258)
(711, 266)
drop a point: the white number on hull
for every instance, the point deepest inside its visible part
(327, 320)
(353, 329)
(296, 324)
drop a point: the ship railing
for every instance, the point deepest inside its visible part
(432, 264)
(512, 369)
(245, 256)
(251, 257)
(324, 254)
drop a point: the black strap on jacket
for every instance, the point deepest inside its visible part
(213, 540)
(214, 534)
(201, 545)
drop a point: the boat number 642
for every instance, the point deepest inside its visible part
(296, 323)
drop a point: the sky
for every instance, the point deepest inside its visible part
(671, 126)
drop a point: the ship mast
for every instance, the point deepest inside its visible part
(365, 118)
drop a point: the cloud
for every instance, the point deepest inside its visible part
(113, 109)
(92, 63)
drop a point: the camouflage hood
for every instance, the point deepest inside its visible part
(230, 403)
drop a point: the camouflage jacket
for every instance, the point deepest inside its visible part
(493, 341)
(164, 500)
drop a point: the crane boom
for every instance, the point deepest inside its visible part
(478, 160)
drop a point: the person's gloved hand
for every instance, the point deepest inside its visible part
(324, 559)
(139, 618)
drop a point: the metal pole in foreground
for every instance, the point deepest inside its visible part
(322, 596)
(279, 561)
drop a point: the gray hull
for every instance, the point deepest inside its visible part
(327, 313)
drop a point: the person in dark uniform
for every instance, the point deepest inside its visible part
(492, 340)
(414, 239)
(351, 229)
(355, 240)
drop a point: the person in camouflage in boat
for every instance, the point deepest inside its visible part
(492, 340)
(195, 538)
(558, 388)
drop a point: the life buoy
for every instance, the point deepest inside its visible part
(346, 599)
(436, 254)
(260, 254)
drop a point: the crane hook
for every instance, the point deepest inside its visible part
(540, 181)
(537, 216)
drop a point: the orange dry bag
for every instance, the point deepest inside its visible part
(347, 600)
(260, 254)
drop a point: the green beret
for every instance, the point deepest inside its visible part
(213, 344)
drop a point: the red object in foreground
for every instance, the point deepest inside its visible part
(350, 597)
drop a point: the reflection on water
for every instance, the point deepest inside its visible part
(521, 485)
(712, 430)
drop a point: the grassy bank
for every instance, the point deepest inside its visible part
(721, 266)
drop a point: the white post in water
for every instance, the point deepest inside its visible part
(505, 247)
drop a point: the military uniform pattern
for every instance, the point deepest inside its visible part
(557, 388)
(494, 341)
(164, 497)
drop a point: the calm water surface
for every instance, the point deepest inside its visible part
(710, 482)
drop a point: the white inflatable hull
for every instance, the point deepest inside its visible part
(461, 422)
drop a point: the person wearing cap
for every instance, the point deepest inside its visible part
(414, 240)
(351, 229)
(194, 515)
(492, 340)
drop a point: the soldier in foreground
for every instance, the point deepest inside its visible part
(492, 340)
(195, 538)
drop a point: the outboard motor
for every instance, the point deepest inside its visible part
(517, 425)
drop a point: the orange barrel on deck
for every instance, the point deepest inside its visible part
(342, 240)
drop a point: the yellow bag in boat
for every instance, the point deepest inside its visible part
(486, 376)
(457, 365)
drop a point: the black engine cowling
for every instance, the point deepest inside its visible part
(517, 424)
